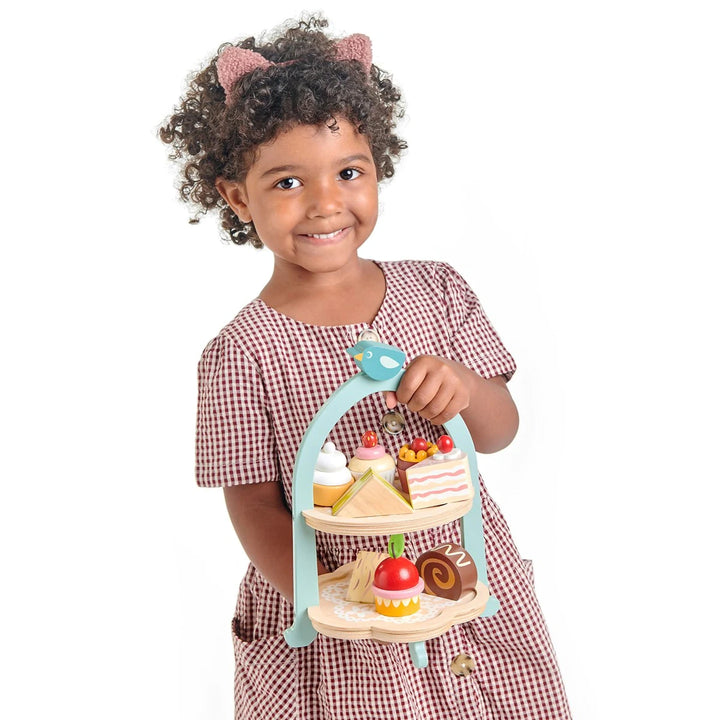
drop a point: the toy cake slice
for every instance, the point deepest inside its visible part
(361, 580)
(371, 495)
(442, 478)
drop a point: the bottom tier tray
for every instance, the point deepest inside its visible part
(339, 618)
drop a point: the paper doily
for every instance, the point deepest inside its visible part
(335, 593)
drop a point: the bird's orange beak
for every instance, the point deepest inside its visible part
(358, 357)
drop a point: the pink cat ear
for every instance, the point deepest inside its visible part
(233, 63)
(355, 47)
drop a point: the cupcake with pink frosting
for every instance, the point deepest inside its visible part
(371, 454)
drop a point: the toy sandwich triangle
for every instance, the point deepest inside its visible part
(371, 495)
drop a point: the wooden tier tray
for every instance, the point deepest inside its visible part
(320, 518)
(340, 618)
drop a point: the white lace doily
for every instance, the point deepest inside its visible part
(430, 606)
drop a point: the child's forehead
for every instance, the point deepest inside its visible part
(311, 145)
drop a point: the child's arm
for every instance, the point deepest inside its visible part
(264, 526)
(438, 389)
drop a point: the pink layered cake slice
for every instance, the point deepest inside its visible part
(442, 478)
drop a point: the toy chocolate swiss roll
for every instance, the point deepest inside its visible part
(448, 571)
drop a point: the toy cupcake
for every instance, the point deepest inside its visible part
(331, 478)
(397, 584)
(419, 449)
(370, 454)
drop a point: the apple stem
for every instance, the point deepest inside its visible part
(396, 545)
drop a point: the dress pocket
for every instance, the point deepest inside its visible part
(266, 677)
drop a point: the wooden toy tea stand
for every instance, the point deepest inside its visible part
(320, 606)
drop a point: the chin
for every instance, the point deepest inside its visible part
(329, 259)
(326, 266)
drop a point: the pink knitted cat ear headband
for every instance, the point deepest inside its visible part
(234, 62)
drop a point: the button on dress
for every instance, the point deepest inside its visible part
(261, 380)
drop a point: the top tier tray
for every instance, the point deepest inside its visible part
(322, 519)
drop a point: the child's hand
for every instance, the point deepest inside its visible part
(438, 389)
(434, 388)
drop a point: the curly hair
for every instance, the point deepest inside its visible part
(213, 139)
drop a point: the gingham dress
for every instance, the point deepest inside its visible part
(260, 383)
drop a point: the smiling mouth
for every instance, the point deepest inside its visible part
(322, 239)
(324, 236)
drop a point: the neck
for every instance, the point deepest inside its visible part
(288, 276)
(351, 294)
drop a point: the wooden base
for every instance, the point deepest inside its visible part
(339, 618)
(322, 519)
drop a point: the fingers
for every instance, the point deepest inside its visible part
(391, 400)
(431, 388)
(455, 405)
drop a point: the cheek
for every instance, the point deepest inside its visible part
(272, 218)
(369, 205)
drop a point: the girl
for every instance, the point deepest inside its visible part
(288, 141)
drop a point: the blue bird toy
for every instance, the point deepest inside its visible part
(377, 360)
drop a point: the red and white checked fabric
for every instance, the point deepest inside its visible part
(260, 383)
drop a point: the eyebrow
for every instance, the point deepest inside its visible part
(293, 168)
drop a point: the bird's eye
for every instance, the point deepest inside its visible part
(289, 183)
(349, 174)
(368, 354)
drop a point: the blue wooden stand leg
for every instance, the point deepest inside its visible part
(418, 653)
(493, 605)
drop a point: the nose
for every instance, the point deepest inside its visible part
(324, 199)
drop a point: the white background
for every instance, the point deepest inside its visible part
(563, 155)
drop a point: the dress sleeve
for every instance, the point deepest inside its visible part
(473, 340)
(235, 443)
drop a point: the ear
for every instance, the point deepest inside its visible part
(235, 195)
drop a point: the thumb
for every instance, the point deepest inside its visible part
(391, 399)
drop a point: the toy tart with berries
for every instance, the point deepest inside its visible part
(409, 454)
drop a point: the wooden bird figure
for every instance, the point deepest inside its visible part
(377, 360)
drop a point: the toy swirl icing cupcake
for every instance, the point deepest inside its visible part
(370, 454)
(331, 477)
(397, 584)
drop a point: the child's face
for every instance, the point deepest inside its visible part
(312, 195)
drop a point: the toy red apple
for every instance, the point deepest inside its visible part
(369, 439)
(418, 444)
(397, 584)
(396, 574)
(445, 444)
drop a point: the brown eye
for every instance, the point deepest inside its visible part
(288, 183)
(349, 174)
